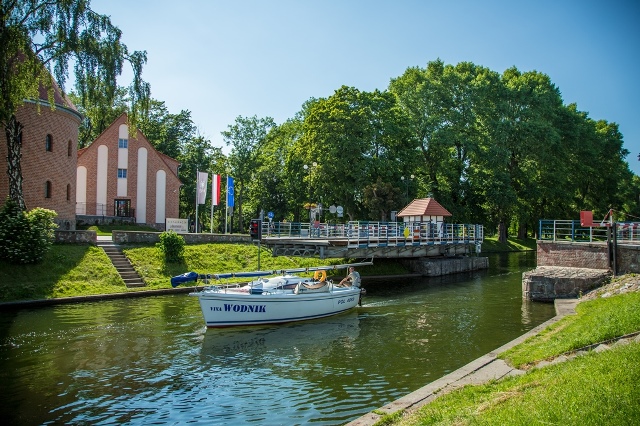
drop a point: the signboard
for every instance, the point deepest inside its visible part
(270, 215)
(176, 225)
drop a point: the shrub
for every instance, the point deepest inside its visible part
(25, 237)
(172, 245)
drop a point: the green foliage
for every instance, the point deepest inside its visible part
(25, 237)
(246, 137)
(172, 245)
(39, 40)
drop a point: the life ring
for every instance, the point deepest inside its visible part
(320, 276)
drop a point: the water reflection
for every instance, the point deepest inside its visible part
(312, 338)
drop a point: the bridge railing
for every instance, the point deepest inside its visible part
(573, 231)
(365, 233)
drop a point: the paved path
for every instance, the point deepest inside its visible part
(479, 371)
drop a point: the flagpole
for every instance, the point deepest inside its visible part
(197, 184)
(215, 194)
(226, 212)
(211, 226)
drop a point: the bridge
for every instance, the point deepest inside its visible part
(360, 239)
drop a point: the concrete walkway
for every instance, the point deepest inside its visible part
(479, 371)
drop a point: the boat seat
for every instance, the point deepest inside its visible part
(319, 287)
(314, 286)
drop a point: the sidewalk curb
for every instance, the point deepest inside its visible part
(481, 370)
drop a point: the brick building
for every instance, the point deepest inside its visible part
(49, 155)
(123, 176)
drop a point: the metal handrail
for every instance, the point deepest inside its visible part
(366, 233)
(573, 231)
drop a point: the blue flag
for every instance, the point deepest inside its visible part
(230, 191)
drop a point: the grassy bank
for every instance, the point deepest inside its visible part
(593, 389)
(492, 245)
(81, 270)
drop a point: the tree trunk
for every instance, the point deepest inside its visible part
(522, 232)
(502, 232)
(13, 132)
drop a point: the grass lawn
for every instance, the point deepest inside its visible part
(594, 389)
(67, 270)
(596, 321)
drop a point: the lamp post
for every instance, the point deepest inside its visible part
(308, 169)
(406, 181)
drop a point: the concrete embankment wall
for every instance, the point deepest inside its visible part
(439, 266)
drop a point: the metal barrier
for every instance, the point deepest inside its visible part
(573, 231)
(377, 234)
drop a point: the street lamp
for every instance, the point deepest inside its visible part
(308, 169)
(406, 181)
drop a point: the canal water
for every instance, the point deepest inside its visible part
(152, 361)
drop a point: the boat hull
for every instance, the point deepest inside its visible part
(225, 309)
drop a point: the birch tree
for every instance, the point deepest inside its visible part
(39, 41)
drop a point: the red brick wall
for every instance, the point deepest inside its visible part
(578, 255)
(40, 166)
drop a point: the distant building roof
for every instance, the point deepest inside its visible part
(424, 207)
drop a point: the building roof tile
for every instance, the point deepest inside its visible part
(424, 207)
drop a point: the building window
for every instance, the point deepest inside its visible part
(123, 143)
(68, 192)
(122, 173)
(48, 144)
(47, 189)
(69, 149)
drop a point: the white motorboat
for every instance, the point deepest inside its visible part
(282, 297)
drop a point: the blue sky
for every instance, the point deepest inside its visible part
(224, 59)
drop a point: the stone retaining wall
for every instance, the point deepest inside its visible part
(547, 283)
(146, 237)
(628, 259)
(75, 237)
(436, 267)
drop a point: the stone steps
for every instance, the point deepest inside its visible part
(123, 266)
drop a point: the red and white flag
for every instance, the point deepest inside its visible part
(215, 190)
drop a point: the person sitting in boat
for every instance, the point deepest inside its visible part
(353, 278)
